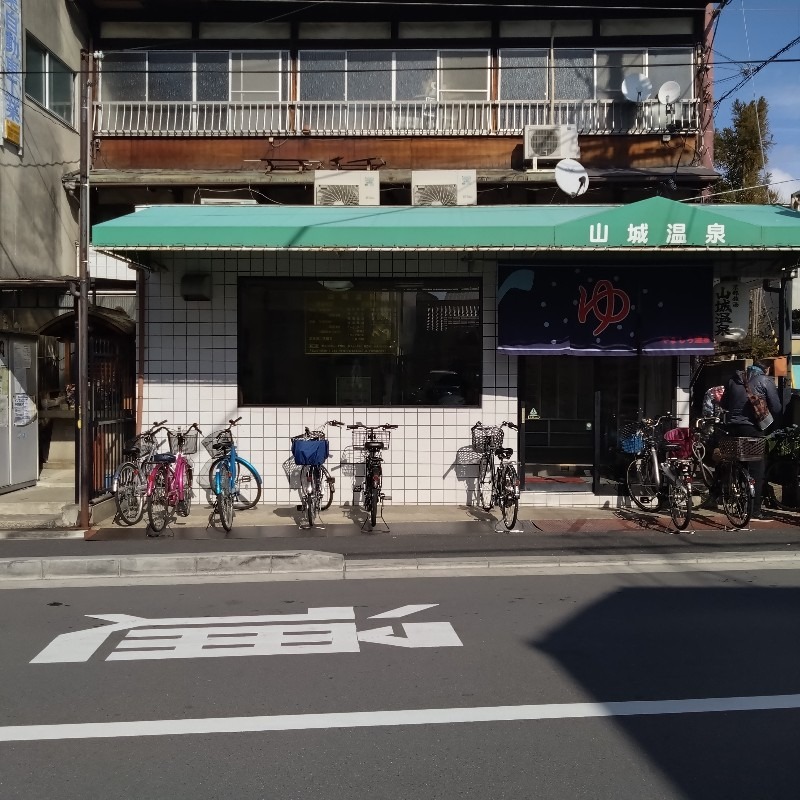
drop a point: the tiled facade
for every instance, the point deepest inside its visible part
(191, 357)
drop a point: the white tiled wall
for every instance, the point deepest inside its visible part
(191, 376)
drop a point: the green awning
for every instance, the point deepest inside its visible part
(655, 224)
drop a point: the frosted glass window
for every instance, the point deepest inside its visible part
(612, 67)
(170, 76)
(416, 75)
(369, 75)
(674, 64)
(523, 74)
(212, 76)
(123, 77)
(574, 74)
(48, 80)
(257, 76)
(322, 75)
(464, 75)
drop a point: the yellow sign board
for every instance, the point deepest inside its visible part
(12, 132)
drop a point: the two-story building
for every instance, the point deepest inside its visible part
(419, 215)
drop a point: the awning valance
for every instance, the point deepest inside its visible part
(656, 224)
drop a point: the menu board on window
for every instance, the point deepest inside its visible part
(355, 322)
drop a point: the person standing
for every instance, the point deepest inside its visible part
(742, 420)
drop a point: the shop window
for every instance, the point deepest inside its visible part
(49, 81)
(357, 342)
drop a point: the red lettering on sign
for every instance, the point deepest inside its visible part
(603, 304)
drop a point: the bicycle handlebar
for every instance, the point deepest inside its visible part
(232, 422)
(386, 427)
(505, 423)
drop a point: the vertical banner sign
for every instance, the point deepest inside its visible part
(11, 63)
(613, 310)
(731, 311)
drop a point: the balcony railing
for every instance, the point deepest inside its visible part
(388, 118)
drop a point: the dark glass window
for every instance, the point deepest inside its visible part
(358, 342)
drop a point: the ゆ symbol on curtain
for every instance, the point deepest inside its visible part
(603, 304)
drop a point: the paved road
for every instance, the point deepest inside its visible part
(534, 690)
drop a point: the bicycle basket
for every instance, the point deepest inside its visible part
(630, 439)
(741, 448)
(361, 437)
(310, 452)
(178, 438)
(486, 439)
(140, 446)
(682, 437)
(223, 437)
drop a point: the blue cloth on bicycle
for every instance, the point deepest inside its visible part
(310, 452)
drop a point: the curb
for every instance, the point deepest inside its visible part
(311, 564)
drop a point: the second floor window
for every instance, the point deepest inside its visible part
(407, 75)
(211, 76)
(49, 81)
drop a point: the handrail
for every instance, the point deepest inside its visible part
(406, 118)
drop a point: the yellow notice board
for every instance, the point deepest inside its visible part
(356, 322)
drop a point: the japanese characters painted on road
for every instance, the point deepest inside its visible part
(319, 630)
(652, 309)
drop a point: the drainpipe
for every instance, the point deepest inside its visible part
(140, 301)
(83, 413)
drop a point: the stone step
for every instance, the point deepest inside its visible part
(32, 516)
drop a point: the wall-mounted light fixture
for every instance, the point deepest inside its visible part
(196, 286)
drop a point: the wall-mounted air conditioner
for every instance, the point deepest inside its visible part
(546, 145)
(341, 187)
(444, 187)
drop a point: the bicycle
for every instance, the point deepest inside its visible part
(130, 479)
(372, 439)
(498, 484)
(782, 474)
(310, 450)
(736, 486)
(646, 470)
(235, 482)
(169, 482)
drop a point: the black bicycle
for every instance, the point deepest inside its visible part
(498, 483)
(310, 450)
(373, 440)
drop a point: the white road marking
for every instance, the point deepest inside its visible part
(374, 719)
(403, 611)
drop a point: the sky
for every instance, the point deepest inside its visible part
(754, 30)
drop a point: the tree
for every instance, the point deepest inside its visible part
(740, 155)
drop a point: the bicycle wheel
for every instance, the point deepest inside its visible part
(642, 484)
(327, 486)
(373, 503)
(184, 506)
(158, 503)
(484, 487)
(225, 498)
(247, 486)
(680, 503)
(509, 500)
(737, 502)
(782, 485)
(129, 497)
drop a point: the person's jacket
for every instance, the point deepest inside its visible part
(736, 402)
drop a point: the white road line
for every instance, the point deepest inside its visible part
(370, 719)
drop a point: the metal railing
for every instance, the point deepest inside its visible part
(388, 118)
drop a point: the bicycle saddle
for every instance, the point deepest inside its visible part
(164, 458)
(374, 445)
(503, 452)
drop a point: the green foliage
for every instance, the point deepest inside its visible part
(763, 347)
(740, 155)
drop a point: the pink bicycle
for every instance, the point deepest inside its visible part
(169, 482)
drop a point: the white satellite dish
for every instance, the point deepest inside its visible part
(571, 177)
(637, 87)
(669, 92)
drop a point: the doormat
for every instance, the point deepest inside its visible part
(556, 479)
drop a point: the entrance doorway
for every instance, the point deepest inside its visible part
(572, 408)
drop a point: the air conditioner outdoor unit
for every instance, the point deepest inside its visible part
(444, 187)
(340, 187)
(546, 145)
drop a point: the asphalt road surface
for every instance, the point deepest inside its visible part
(660, 685)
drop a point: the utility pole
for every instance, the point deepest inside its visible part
(82, 404)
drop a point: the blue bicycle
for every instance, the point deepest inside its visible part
(235, 481)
